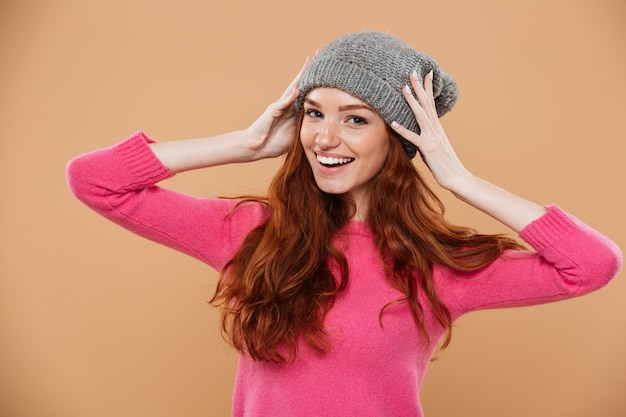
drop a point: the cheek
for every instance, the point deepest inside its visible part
(307, 136)
(379, 159)
(379, 150)
(377, 163)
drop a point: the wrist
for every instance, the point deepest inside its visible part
(460, 183)
(253, 146)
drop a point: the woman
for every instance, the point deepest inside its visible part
(337, 287)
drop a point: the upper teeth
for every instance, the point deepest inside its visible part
(333, 161)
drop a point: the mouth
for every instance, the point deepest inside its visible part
(328, 161)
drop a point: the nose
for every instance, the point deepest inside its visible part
(328, 135)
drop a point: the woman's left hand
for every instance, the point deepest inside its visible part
(432, 142)
(436, 150)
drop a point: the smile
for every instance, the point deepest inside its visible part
(330, 162)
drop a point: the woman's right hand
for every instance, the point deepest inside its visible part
(270, 135)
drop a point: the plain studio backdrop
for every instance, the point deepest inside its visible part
(96, 322)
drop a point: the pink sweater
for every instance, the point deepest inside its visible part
(370, 370)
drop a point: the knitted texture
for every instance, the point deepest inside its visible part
(371, 370)
(374, 67)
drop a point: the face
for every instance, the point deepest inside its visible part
(346, 142)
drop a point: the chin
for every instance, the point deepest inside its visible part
(329, 189)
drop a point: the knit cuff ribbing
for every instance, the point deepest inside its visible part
(137, 155)
(554, 225)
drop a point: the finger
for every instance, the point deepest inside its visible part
(405, 133)
(424, 92)
(428, 85)
(290, 94)
(285, 102)
(292, 88)
(421, 116)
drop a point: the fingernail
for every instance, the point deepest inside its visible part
(430, 74)
(414, 75)
(407, 89)
(394, 124)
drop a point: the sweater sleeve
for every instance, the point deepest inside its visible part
(119, 183)
(569, 259)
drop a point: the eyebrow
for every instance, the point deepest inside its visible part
(346, 107)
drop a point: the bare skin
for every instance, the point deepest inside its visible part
(270, 135)
(436, 150)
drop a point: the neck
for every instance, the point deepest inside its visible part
(360, 212)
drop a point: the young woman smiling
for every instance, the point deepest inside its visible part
(337, 286)
(346, 143)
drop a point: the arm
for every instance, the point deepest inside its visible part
(571, 259)
(436, 150)
(267, 137)
(119, 183)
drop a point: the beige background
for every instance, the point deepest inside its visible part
(95, 322)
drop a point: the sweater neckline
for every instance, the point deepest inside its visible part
(357, 227)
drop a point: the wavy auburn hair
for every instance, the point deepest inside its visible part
(278, 287)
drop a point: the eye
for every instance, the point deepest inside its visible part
(356, 120)
(313, 113)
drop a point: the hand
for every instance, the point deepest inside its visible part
(271, 134)
(436, 150)
(432, 142)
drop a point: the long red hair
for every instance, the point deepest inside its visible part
(278, 287)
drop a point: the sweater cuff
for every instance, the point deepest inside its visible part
(139, 158)
(554, 225)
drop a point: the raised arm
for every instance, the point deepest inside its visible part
(120, 183)
(267, 137)
(436, 150)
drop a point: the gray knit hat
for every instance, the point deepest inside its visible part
(374, 67)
